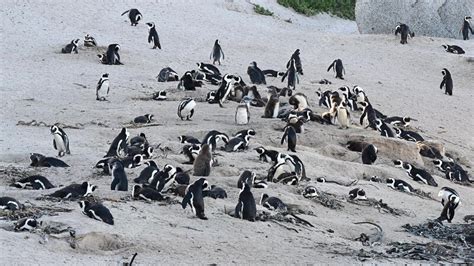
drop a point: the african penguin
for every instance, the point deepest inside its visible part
(146, 193)
(134, 15)
(299, 101)
(119, 144)
(355, 145)
(212, 137)
(454, 49)
(368, 117)
(292, 75)
(267, 155)
(338, 68)
(71, 47)
(272, 203)
(407, 135)
(203, 162)
(153, 35)
(357, 194)
(247, 177)
(295, 164)
(290, 136)
(194, 197)
(272, 106)
(74, 191)
(450, 200)
(217, 53)
(296, 56)
(399, 184)
(186, 108)
(384, 130)
(147, 173)
(404, 31)
(215, 192)
(397, 120)
(447, 82)
(60, 140)
(208, 68)
(9, 203)
(237, 144)
(246, 207)
(89, 41)
(39, 160)
(167, 74)
(143, 119)
(466, 27)
(256, 75)
(369, 154)
(159, 96)
(310, 192)
(119, 177)
(112, 54)
(26, 224)
(242, 113)
(35, 182)
(103, 87)
(343, 116)
(417, 174)
(96, 211)
(245, 132)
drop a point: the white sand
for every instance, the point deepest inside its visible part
(37, 83)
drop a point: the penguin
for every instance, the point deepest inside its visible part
(384, 130)
(454, 49)
(134, 15)
(119, 144)
(458, 175)
(153, 36)
(272, 73)
(245, 132)
(181, 177)
(256, 75)
(290, 135)
(447, 82)
(146, 193)
(428, 151)
(103, 58)
(237, 144)
(343, 116)
(399, 184)
(272, 107)
(188, 82)
(296, 56)
(139, 140)
(119, 177)
(338, 68)
(212, 137)
(112, 54)
(96, 211)
(103, 88)
(450, 166)
(369, 154)
(246, 207)
(164, 179)
(267, 155)
(26, 224)
(211, 96)
(466, 27)
(189, 140)
(186, 108)
(159, 96)
(132, 161)
(194, 197)
(272, 203)
(368, 117)
(215, 192)
(39, 160)
(281, 173)
(89, 41)
(242, 113)
(217, 53)
(35, 182)
(417, 174)
(60, 140)
(450, 200)
(208, 68)
(299, 101)
(310, 192)
(167, 74)
(247, 177)
(9, 203)
(357, 146)
(203, 162)
(147, 173)
(396, 120)
(295, 164)
(292, 75)
(74, 191)
(143, 119)
(357, 194)
(71, 47)
(407, 135)
(404, 31)
(225, 89)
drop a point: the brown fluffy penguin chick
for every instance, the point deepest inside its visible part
(203, 162)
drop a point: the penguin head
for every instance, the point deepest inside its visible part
(297, 52)
(310, 192)
(260, 150)
(467, 18)
(398, 131)
(445, 46)
(398, 163)
(105, 75)
(406, 119)
(55, 129)
(150, 25)
(90, 188)
(375, 148)
(216, 42)
(151, 163)
(149, 117)
(253, 64)
(84, 204)
(263, 198)
(138, 17)
(171, 170)
(391, 181)
(321, 180)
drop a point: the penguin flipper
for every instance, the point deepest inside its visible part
(284, 136)
(186, 200)
(284, 76)
(125, 12)
(54, 144)
(223, 56)
(442, 84)
(237, 209)
(330, 66)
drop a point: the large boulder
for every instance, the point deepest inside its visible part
(437, 18)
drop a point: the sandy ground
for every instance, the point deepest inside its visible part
(37, 82)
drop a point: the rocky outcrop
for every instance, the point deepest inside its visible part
(437, 18)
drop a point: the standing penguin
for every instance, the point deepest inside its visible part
(186, 108)
(338, 68)
(134, 15)
(117, 148)
(60, 140)
(272, 107)
(203, 162)
(290, 135)
(255, 73)
(112, 55)
(369, 154)
(384, 129)
(246, 207)
(194, 197)
(292, 75)
(217, 53)
(119, 177)
(450, 200)
(71, 47)
(103, 87)
(296, 57)
(343, 116)
(404, 31)
(466, 27)
(447, 82)
(153, 35)
(242, 113)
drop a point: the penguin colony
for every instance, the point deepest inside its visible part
(155, 183)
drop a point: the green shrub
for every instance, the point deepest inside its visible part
(340, 8)
(262, 11)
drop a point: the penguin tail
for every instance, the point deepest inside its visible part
(125, 12)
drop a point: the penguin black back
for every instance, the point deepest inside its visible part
(290, 135)
(217, 54)
(194, 197)
(447, 82)
(246, 207)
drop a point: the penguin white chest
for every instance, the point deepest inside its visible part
(60, 145)
(241, 115)
(104, 89)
